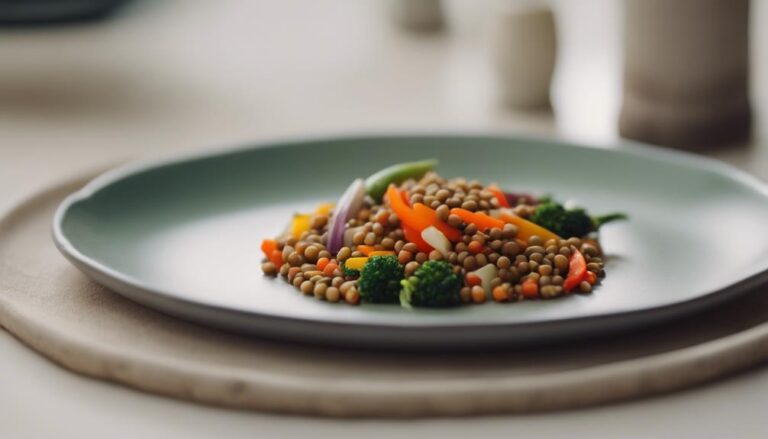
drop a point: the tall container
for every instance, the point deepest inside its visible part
(686, 72)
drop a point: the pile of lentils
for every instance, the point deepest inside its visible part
(376, 225)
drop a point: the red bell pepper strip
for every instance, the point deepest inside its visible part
(365, 249)
(577, 270)
(453, 235)
(499, 194)
(413, 236)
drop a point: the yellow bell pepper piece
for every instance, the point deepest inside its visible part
(356, 263)
(300, 224)
(324, 209)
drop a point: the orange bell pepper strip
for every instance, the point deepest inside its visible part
(365, 249)
(404, 212)
(577, 270)
(413, 236)
(499, 194)
(526, 229)
(530, 288)
(269, 247)
(404, 196)
(481, 220)
(430, 215)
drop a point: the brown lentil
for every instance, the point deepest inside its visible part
(269, 268)
(411, 267)
(585, 287)
(319, 290)
(435, 255)
(311, 253)
(465, 294)
(411, 247)
(307, 287)
(594, 267)
(561, 262)
(344, 254)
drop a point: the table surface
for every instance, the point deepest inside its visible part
(164, 77)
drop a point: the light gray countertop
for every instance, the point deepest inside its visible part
(178, 75)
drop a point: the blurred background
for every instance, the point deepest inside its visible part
(152, 77)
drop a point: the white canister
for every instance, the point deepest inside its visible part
(524, 54)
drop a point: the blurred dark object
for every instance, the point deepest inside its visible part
(418, 15)
(686, 79)
(36, 12)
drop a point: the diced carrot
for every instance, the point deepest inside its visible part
(525, 228)
(269, 247)
(430, 215)
(276, 256)
(365, 249)
(475, 247)
(499, 194)
(322, 262)
(481, 220)
(500, 294)
(472, 279)
(530, 288)
(330, 268)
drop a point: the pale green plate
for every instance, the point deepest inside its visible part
(183, 236)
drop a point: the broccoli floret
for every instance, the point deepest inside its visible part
(380, 280)
(570, 222)
(349, 272)
(434, 284)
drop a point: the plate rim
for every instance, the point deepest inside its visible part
(129, 286)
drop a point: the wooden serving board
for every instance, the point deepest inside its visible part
(60, 313)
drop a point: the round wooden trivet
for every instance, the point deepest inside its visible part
(57, 311)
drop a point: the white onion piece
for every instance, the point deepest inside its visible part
(486, 274)
(435, 238)
(348, 205)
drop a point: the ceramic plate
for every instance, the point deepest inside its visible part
(183, 236)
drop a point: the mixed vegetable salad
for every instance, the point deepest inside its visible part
(406, 235)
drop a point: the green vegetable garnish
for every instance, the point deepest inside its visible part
(434, 284)
(570, 222)
(377, 183)
(349, 272)
(380, 280)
